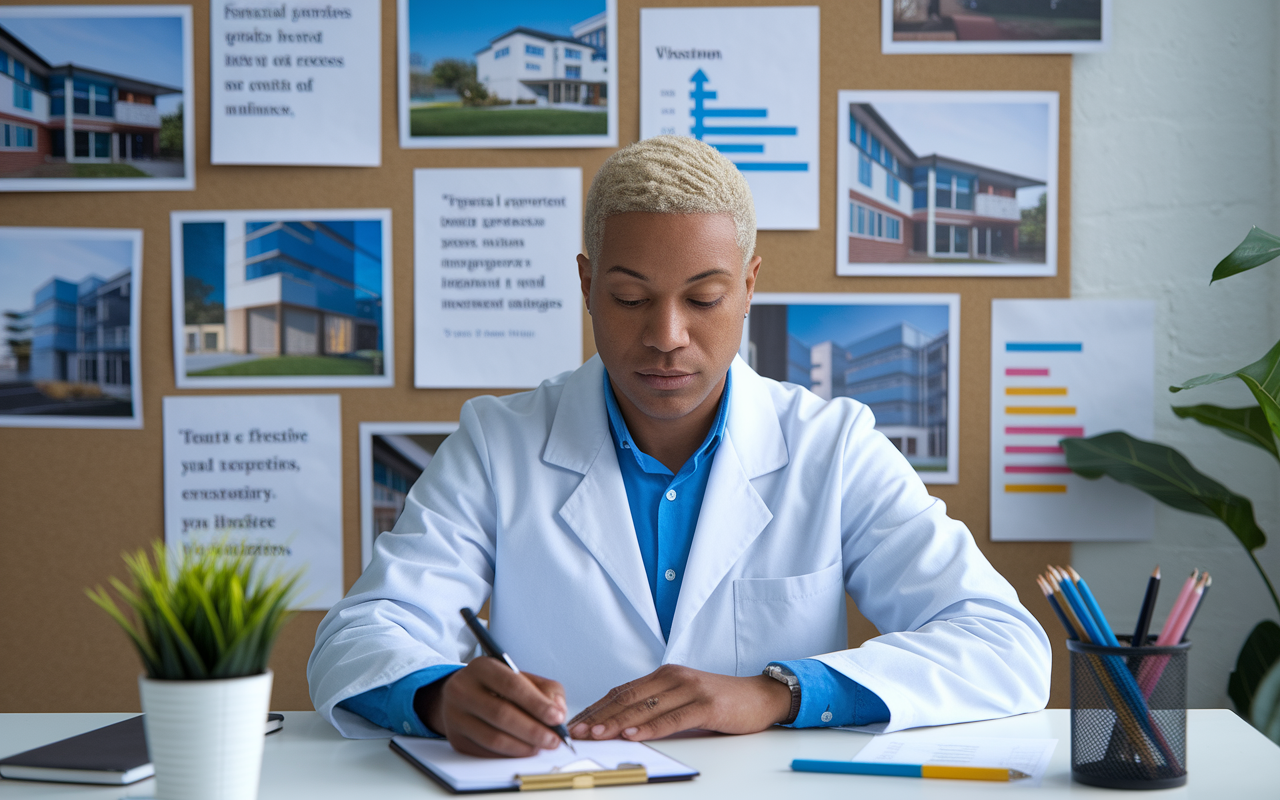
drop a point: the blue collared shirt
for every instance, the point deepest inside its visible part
(664, 508)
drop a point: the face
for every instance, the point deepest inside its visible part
(667, 303)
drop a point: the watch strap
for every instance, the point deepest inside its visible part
(784, 675)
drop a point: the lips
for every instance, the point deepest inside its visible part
(665, 380)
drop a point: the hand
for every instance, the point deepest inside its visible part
(485, 709)
(674, 698)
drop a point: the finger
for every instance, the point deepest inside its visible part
(606, 706)
(642, 712)
(505, 717)
(487, 741)
(678, 719)
(552, 689)
(521, 690)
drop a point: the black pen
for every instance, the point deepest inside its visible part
(490, 647)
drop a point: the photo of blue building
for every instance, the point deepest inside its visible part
(69, 331)
(894, 358)
(283, 297)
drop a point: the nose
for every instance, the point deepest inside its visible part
(666, 328)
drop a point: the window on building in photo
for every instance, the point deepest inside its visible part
(864, 170)
(533, 67)
(533, 50)
(501, 52)
(570, 53)
(572, 72)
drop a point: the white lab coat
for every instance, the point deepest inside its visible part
(525, 506)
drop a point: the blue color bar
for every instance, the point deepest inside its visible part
(777, 166)
(730, 112)
(739, 148)
(857, 768)
(1044, 347)
(748, 131)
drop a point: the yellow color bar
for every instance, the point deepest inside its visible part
(1066, 411)
(1036, 488)
(1055, 390)
(964, 773)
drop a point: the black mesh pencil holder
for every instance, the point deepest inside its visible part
(1129, 715)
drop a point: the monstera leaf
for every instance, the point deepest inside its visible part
(1258, 248)
(1263, 379)
(1255, 685)
(1166, 475)
(1247, 424)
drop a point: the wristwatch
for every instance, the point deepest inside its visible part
(784, 675)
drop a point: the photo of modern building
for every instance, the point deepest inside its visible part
(70, 318)
(1049, 22)
(895, 358)
(392, 457)
(90, 109)
(502, 68)
(283, 298)
(941, 186)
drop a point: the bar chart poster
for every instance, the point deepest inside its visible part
(1059, 369)
(745, 81)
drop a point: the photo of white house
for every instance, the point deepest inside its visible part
(501, 73)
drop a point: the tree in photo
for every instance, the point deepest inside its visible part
(197, 309)
(171, 128)
(1031, 231)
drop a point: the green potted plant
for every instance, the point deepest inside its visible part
(204, 623)
(1167, 475)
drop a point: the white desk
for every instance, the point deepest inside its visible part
(310, 761)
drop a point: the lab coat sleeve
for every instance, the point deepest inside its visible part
(956, 643)
(401, 615)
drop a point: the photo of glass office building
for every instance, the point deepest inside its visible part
(283, 297)
(894, 359)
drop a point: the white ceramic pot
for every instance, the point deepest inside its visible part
(206, 737)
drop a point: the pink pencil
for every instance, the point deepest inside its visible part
(1176, 611)
(1151, 670)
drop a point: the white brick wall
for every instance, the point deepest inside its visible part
(1174, 155)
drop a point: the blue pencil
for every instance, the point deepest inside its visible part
(1109, 636)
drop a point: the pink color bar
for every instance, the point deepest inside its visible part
(1046, 431)
(1026, 371)
(1038, 470)
(1015, 448)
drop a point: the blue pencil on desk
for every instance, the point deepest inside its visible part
(908, 770)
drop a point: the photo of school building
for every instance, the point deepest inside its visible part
(904, 207)
(55, 117)
(286, 290)
(398, 462)
(899, 371)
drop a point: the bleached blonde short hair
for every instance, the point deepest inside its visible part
(669, 175)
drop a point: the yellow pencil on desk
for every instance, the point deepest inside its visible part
(908, 770)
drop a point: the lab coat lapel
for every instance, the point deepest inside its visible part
(733, 514)
(597, 511)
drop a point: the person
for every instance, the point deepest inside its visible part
(657, 529)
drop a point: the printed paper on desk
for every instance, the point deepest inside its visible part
(1027, 755)
(1059, 369)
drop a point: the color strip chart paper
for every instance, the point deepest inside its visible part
(1059, 369)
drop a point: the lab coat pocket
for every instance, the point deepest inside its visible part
(779, 619)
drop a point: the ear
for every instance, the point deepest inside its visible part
(753, 269)
(584, 278)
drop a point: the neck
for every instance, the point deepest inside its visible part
(671, 441)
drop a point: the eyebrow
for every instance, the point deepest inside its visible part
(709, 273)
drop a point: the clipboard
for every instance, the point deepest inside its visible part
(461, 774)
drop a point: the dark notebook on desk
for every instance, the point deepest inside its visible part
(115, 755)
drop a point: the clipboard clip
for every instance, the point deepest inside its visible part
(624, 774)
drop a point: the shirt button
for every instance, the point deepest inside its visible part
(671, 575)
(671, 494)
(826, 716)
(407, 729)
(626, 445)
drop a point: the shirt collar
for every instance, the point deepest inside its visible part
(622, 436)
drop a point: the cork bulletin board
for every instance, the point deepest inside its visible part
(72, 500)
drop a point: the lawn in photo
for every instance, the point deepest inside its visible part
(947, 183)
(96, 98)
(995, 26)
(392, 458)
(282, 298)
(69, 353)
(507, 73)
(895, 353)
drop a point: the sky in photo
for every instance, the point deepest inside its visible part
(451, 29)
(28, 262)
(146, 48)
(1011, 137)
(844, 325)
